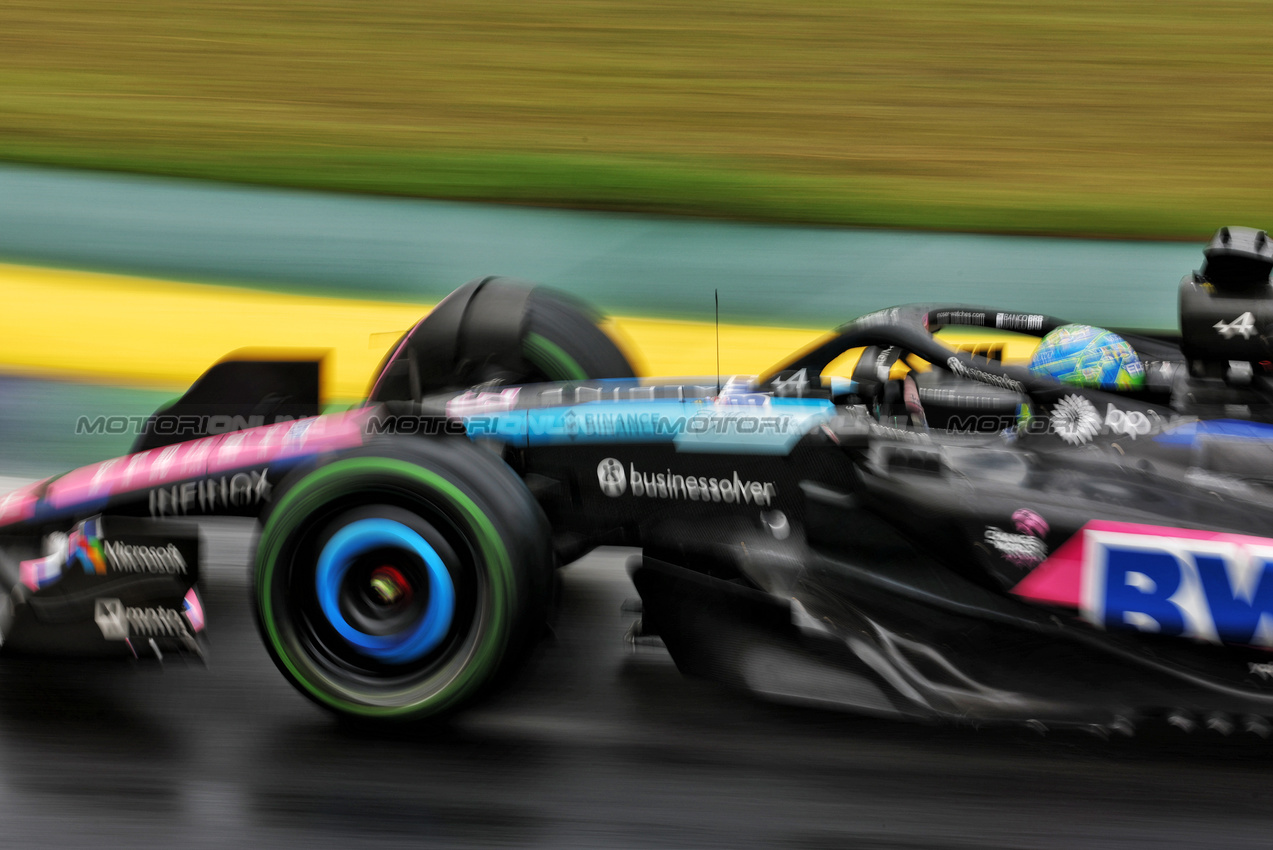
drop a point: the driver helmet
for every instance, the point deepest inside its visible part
(1087, 356)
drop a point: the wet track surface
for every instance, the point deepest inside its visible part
(595, 746)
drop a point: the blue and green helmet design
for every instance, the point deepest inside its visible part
(1086, 356)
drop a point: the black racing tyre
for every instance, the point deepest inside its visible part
(564, 343)
(398, 582)
(558, 339)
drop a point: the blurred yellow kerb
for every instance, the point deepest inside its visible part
(149, 333)
(141, 332)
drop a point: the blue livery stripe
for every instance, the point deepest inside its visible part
(693, 426)
(1229, 429)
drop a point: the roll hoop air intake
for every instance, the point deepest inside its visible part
(1226, 308)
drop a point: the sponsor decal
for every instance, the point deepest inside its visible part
(84, 547)
(964, 370)
(155, 622)
(1075, 420)
(1028, 522)
(208, 456)
(1264, 669)
(669, 485)
(738, 389)
(745, 399)
(617, 391)
(1020, 549)
(37, 573)
(110, 618)
(1243, 326)
(242, 489)
(960, 317)
(1026, 548)
(298, 431)
(473, 402)
(127, 558)
(901, 435)
(42, 572)
(87, 547)
(887, 316)
(119, 623)
(1019, 321)
(1129, 423)
(611, 476)
(192, 608)
(1210, 586)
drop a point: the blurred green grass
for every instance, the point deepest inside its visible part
(1144, 119)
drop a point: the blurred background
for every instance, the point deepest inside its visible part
(1120, 118)
(181, 179)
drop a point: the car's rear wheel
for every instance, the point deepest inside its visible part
(564, 342)
(496, 331)
(398, 583)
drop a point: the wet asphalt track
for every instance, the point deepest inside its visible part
(593, 747)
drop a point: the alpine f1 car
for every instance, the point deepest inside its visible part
(1081, 537)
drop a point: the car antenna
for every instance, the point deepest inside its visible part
(716, 292)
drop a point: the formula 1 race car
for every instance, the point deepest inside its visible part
(1082, 537)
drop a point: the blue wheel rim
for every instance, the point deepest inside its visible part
(338, 556)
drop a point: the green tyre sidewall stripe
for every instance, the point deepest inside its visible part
(548, 356)
(331, 481)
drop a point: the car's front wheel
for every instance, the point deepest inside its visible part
(398, 583)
